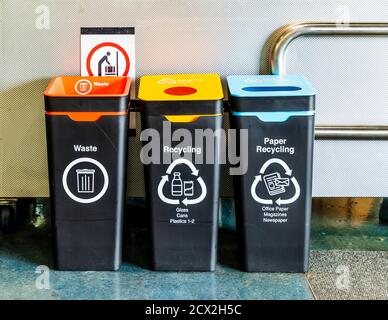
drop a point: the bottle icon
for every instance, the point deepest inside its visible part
(177, 185)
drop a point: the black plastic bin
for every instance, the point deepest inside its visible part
(182, 193)
(273, 198)
(87, 123)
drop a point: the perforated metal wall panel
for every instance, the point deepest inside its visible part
(223, 36)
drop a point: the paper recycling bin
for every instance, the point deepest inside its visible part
(273, 198)
(87, 123)
(182, 192)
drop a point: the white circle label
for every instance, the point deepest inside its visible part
(167, 81)
(82, 200)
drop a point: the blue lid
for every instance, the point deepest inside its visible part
(269, 86)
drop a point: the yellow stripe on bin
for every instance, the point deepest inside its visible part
(189, 118)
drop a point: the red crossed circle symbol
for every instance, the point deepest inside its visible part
(107, 44)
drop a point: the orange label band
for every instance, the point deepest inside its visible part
(72, 86)
(189, 118)
(86, 116)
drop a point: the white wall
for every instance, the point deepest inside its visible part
(223, 36)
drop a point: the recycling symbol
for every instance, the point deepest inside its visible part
(180, 188)
(276, 184)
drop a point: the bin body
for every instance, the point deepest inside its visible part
(183, 193)
(87, 154)
(273, 198)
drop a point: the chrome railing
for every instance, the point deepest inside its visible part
(277, 59)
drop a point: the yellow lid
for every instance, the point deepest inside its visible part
(181, 87)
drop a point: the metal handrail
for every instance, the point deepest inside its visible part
(277, 60)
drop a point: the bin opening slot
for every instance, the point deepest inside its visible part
(180, 91)
(271, 88)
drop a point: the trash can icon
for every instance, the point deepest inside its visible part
(183, 195)
(273, 198)
(86, 127)
(85, 180)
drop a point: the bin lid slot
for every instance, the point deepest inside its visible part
(257, 86)
(271, 89)
(180, 91)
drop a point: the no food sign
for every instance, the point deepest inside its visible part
(108, 52)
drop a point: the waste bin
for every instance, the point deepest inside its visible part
(87, 123)
(182, 190)
(273, 197)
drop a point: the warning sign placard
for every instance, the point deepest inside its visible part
(108, 52)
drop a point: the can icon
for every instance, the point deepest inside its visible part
(85, 180)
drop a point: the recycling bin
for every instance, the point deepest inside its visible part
(182, 171)
(86, 126)
(273, 196)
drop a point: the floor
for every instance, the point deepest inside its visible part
(345, 274)
(22, 253)
(350, 250)
(343, 230)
